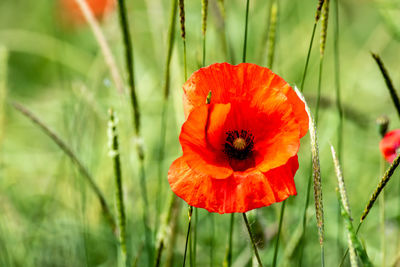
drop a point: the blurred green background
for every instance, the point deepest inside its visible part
(49, 216)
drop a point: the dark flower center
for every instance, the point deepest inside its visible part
(239, 145)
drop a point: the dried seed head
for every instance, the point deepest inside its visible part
(319, 7)
(182, 18)
(324, 25)
(204, 9)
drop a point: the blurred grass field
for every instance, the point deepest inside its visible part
(48, 214)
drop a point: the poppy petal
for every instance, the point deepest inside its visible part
(246, 81)
(390, 144)
(202, 153)
(241, 192)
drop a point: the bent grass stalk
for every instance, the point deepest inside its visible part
(136, 121)
(119, 194)
(104, 47)
(68, 151)
(163, 128)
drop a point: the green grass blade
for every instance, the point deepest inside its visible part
(388, 81)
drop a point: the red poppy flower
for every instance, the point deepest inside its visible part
(72, 12)
(239, 151)
(390, 145)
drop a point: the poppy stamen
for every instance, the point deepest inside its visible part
(239, 145)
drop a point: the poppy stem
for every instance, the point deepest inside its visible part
(279, 233)
(187, 233)
(245, 31)
(252, 239)
(228, 255)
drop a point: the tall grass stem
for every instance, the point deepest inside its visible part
(3, 92)
(119, 194)
(129, 61)
(164, 108)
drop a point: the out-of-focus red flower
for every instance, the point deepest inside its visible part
(73, 14)
(239, 151)
(390, 145)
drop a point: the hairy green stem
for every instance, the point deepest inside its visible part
(190, 212)
(246, 24)
(278, 234)
(252, 239)
(228, 254)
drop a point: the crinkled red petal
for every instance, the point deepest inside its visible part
(231, 83)
(241, 192)
(390, 144)
(198, 153)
